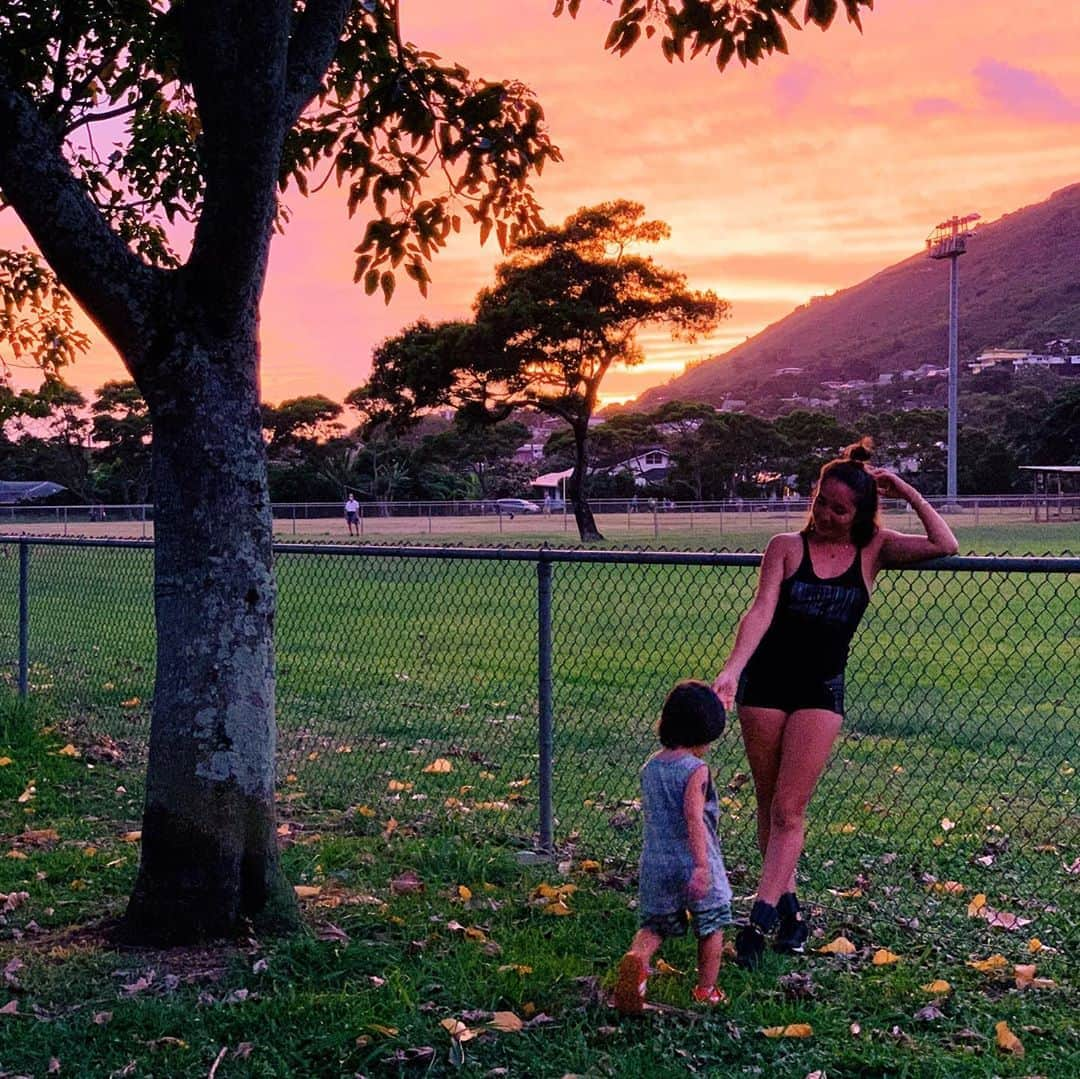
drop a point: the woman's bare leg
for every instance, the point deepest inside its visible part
(806, 743)
(762, 734)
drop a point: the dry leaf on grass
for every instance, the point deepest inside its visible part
(792, 1030)
(883, 957)
(458, 1030)
(306, 891)
(439, 766)
(991, 963)
(516, 968)
(506, 1021)
(1007, 1041)
(839, 946)
(407, 884)
(1025, 978)
(937, 987)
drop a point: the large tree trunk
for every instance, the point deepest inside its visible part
(209, 848)
(578, 487)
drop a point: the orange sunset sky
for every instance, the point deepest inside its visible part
(803, 175)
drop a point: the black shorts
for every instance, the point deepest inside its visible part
(789, 691)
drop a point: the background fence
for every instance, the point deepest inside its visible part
(623, 519)
(512, 693)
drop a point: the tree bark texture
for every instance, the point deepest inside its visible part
(578, 487)
(209, 846)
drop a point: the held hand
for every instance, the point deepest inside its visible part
(724, 686)
(700, 880)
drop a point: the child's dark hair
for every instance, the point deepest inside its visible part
(692, 716)
(850, 469)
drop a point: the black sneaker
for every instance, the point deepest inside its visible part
(750, 940)
(749, 947)
(791, 932)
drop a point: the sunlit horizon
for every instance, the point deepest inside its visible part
(804, 175)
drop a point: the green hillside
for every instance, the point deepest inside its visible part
(1019, 287)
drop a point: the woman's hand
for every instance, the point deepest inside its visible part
(700, 881)
(890, 485)
(724, 686)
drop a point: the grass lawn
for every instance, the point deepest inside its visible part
(414, 927)
(955, 777)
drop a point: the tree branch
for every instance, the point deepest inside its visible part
(311, 49)
(112, 285)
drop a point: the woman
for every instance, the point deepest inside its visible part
(786, 669)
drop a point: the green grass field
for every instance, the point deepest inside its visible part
(957, 765)
(382, 966)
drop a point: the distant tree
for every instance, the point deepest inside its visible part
(985, 465)
(215, 108)
(1055, 438)
(565, 307)
(725, 454)
(123, 440)
(812, 439)
(300, 419)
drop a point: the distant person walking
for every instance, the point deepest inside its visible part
(786, 668)
(352, 515)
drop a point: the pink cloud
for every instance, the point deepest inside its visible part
(1025, 93)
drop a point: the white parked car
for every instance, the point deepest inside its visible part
(510, 506)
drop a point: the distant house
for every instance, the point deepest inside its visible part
(529, 452)
(733, 404)
(14, 492)
(651, 466)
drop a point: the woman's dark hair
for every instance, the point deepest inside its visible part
(850, 469)
(692, 716)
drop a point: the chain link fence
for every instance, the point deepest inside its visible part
(512, 694)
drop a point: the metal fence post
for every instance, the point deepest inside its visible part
(543, 605)
(24, 618)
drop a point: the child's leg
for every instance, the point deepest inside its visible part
(645, 944)
(710, 950)
(629, 995)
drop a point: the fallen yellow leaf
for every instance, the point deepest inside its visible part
(365, 811)
(457, 1030)
(131, 702)
(464, 893)
(439, 766)
(386, 1032)
(792, 1030)
(1007, 1041)
(949, 887)
(840, 946)
(1035, 945)
(558, 908)
(939, 985)
(398, 785)
(68, 751)
(993, 962)
(506, 1021)
(131, 837)
(16, 854)
(883, 957)
(589, 866)
(306, 891)
(976, 906)
(487, 775)
(666, 968)
(517, 968)
(5, 761)
(1025, 978)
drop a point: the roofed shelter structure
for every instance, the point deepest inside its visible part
(12, 492)
(1064, 500)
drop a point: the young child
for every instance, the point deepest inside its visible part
(681, 868)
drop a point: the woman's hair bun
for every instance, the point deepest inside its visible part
(860, 452)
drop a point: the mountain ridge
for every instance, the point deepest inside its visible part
(1019, 287)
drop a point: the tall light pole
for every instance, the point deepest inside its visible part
(949, 241)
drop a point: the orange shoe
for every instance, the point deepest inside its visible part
(630, 985)
(712, 996)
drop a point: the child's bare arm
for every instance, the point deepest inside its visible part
(694, 811)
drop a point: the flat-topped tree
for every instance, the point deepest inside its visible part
(205, 111)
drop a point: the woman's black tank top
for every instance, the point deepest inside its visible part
(814, 621)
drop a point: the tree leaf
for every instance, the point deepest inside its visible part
(839, 946)
(883, 958)
(792, 1030)
(506, 1021)
(1007, 1041)
(938, 986)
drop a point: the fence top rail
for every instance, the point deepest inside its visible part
(956, 563)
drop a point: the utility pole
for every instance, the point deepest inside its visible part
(949, 241)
